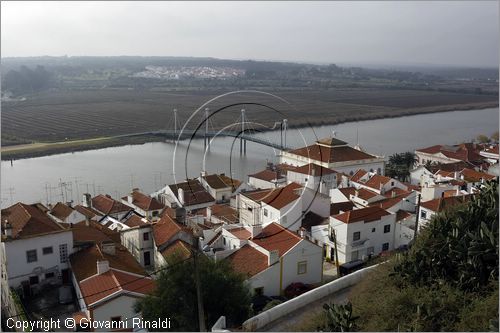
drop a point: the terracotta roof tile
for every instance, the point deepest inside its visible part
(267, 175)
(28, 221)
(368, 214)
(440, 204)
(225, 213)
(347, 191)
(331, 154)
(221, 181)
(177, 248)
(314, 170)
(475, 176)
(335, 208)
(61, 211)
(107, 205)
(194, 192)
(165, 229)
(248, 261)
(275, 237)
(134, 220)
(357, 176)
(312, 219)
(83, 233)
(278, 197)
(401, 215)
(87, 211)
(240, 233)
(376, 181)
(144, 201)
(365, 194)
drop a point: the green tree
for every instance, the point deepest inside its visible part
(224, 292)
(482, 138)
(400, 164)
(339, 318)
(494, 136)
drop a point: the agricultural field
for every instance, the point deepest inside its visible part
(57, 116)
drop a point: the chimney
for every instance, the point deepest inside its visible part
(273, 257)
(87, 221)
(209, 213)
(393, 194)
(102, 266)
(87, 202)
(180, 215)
(70, 204)
(313, 171)
(455, 175)
(129, 198)
(180, 195)
(108, 248)
(302, 232)
(7, 229)
(255, 230)
(356, 193)
(203, 173)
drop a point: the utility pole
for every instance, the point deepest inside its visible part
(201, 311)
(175, 124)
(207, 110)
(333, 239)
(417, 216)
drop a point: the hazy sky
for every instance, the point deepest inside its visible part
(453, 33)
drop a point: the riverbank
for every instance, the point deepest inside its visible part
(39, 149)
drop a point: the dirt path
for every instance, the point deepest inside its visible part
(289, 322)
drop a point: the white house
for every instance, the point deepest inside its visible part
(36, 247)
(262, 207)
(276, 258)
(491, 154)
(108, 282)
(334, 154)
(359, 233)
(221, 187)
(190, 195)
(143, 204)
(139, 242)
(314, 176)
(467, 152)
(66, 214)
(376, 183)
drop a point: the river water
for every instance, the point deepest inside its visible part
(149, 166)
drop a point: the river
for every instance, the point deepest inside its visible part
(117, 170)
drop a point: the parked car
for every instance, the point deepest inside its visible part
(296, 289)
(351, 266)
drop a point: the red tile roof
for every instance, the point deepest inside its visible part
(28, 221)
(475, 176)
(221, 181)
(178, 248)
(107, 205)
(396, 192)
(144, 201)
(463, 152)
(440, 204)
(194, 192)
(225, 213)
(335, 208)
(365, 194)
(165, 229)
(92, 233)
(100, 286)
(248, 261)
(312, 219)
(347, 191)
(368, 214)
(401, 215)
(240, 233)
(314, 170)
(61, 211)
(275, 237)
(357, 176)
(267, 175)
(493, 150)
(84, 262)
(278, 197)
(87, 211)
(376, 181)
(134, 221)
(331, 154)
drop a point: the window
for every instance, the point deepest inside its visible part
(49, 275)
(302, 267)
(224, 241)
(47, 250)
(387, 228)
(371, 170)
(147, 258)
(373, 229)
(392, 183)
(31, 256)
(145, 236)
(265, 212)
(423, 214)
(378, 171)
(385, 246)
(63, 253)
(356, 236)
(259, 291)
(250, 209)
(155, 213)
(354, 255)
(34, 279)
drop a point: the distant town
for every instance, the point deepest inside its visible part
(295, 231)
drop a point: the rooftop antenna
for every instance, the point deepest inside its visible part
(334, 134)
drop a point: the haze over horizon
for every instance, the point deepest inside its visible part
(460, 34)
